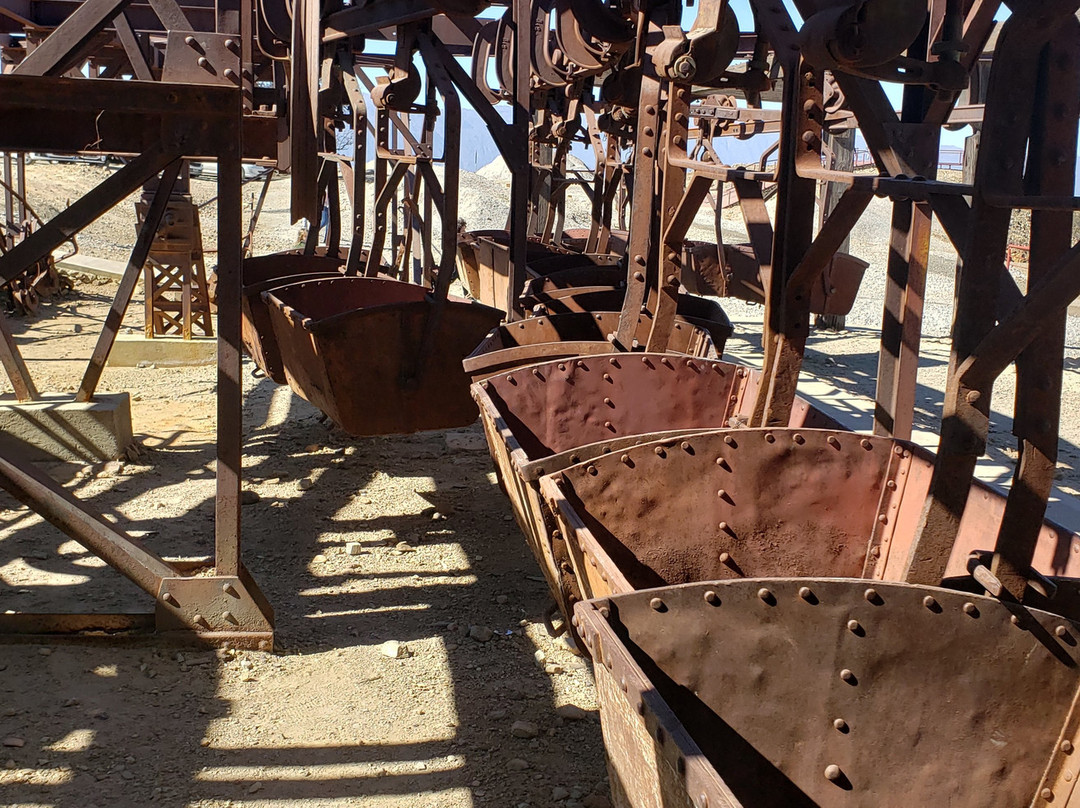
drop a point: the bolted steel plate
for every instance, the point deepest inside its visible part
(853, 693)
(731, 503)
(556, 406)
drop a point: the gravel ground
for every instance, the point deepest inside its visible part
(476, 706)
(481, 708)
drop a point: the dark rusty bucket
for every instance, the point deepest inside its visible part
(483, 262)
(807, 692)
(544, 418)
(740, 277)
(698, 311)
(763, 503)
(352, 346)
(561, 336)
(261, 274)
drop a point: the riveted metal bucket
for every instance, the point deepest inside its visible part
(799, 692)
(763, 503)
(261, 274)
(353, 347)
(697, 311)
(483, 261)
(739, 276)
(543, 418)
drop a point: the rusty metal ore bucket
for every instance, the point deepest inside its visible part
(261, 274)
(799, 692)
(544, 418)
(834, 293)
(483, 260)
(698, 311)
(561, 336)
(354, 347)
(763, 503)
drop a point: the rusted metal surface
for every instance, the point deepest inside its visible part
(853, 676)
(546, 418)
(265, 273)
(320, 324)
(794, 501)
(762, 503)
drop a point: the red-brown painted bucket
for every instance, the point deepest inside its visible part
(354, 347)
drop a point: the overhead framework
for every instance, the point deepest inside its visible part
(274, 83)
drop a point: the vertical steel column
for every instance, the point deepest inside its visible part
(966, 412)
(519, 164)
(230, 391)
(1051, 171)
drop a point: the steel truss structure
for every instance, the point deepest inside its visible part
(272, 83)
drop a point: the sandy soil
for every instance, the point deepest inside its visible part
(329, 719)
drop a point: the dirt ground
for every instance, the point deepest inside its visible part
(481, 708)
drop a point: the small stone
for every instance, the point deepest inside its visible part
(501, 599)
(204, 742)
(112, 469)
(127, 774)
(13, 742)
(525, 729)
(319, 559)
(437, 517)
(45, 651)
(553, 669)
(596, 801)
(517, 765)
(349, 451)
(481, 633)
(497, 715)
(559, 793)
(354, 548)
(571, 712)
(312, 447)
(394, 649)
(404, 547)
(248, 676)
(540, 656)
(255, 788)
(305, 484)
(248, 497)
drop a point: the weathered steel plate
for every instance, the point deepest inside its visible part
(352, 347)
(556, 406)
(808, 692)
(256, 330)
(543, 418)
(722, 504)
